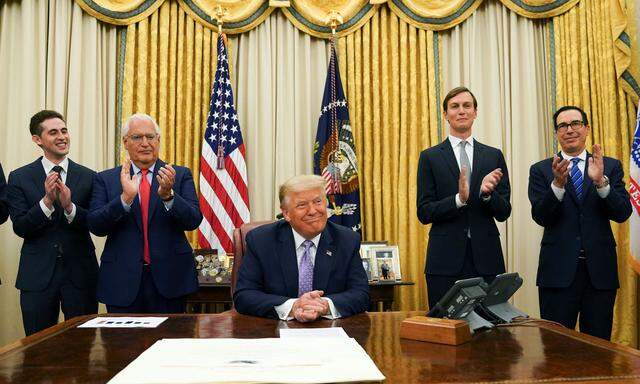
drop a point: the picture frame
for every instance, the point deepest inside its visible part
(386, 262)
(368, 266)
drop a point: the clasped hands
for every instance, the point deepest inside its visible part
(489, 183)
(595, 170)
(55, 189)
(130, 183)
(309, 307)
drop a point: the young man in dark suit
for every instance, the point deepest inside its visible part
(48, 201)
(144, 207)
(302, 267)
(463, 187)
(574, 195)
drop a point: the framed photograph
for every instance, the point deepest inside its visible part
(367, 263)
(386, 262)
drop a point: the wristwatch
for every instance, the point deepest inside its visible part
(605, 183)
(170, 196)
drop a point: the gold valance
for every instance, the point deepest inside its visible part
(313, 16)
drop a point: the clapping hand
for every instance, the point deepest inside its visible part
(130, 183)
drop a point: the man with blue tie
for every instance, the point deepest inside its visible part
(302, 267)
(48, 202)
(144, 207)
(573, 196)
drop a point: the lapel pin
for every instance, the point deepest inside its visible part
(328, 253)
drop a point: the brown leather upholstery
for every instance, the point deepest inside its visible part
(239, 245)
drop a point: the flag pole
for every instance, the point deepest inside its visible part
(220, 13)
(335, 19)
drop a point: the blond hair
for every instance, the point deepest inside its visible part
(300, 183)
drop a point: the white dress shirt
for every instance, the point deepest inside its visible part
(284, 309)
(559, 192)
(455, 145)
(48, 168)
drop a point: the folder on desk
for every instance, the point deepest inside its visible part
(282, 360)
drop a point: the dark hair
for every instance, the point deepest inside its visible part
(569, 108)
(34, 125)
(455, 92)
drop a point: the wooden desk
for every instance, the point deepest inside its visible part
(541, 353)
(217, 298)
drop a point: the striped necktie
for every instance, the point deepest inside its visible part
(576, 177)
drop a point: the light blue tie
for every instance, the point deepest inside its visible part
(305, 270)
(576, 177)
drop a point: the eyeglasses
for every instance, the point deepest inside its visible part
(148, 136)
(575, 125)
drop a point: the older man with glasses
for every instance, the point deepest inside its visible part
(574, 195)
(144, 207)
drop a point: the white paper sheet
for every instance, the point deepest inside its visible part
(123, 322)
(288, 360)
(313, 332)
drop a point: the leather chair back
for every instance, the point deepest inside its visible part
(239, 245)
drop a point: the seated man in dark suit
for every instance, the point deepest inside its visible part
(144, 207)
(302, 267)
(48, 201)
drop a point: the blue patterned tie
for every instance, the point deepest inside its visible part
(576, 177)
(305, 270)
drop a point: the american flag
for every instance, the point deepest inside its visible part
(634, 192)
(224, 197)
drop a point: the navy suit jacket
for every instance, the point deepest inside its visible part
(172, 264)
(4, 211)
(570, 225)
(44, 238)
(268, 275)
(438, 175)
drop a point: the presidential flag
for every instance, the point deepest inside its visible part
(334, 155)
(224, 196)
(634, 192)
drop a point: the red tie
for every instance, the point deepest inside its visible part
(145, 190)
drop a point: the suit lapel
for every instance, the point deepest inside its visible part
(153, 194)
(450, 158)
(73, 176)
(135, 206)
(478, 153)
(286, 253)
(38, 175)
(325, 256)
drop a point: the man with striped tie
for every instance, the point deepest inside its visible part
(573, 196)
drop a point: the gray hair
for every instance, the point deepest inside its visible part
(300, 183)
(139, 117)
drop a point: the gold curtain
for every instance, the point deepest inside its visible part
(169, 66)
(586, 76)
(389, 73)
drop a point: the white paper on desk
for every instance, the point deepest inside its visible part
(313, 332)
(123, 322)
(287, 360)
